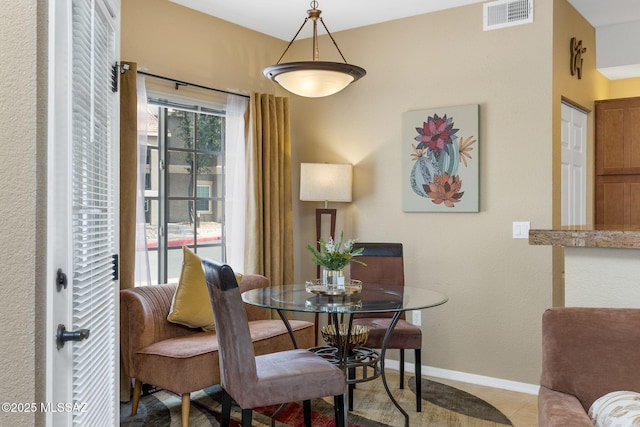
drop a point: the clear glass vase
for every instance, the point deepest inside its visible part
(336, 278)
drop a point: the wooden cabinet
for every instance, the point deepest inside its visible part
(618, 162)
(618, 200)
(618, 136)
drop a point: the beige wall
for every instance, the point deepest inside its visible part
(173, 41)
(582, 93)
(569, 23)
(498, 287)
(22, 205)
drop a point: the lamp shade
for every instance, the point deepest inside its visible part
(328, 182)
(314, 79)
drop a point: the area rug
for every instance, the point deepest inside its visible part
(162, 409)
(459, 401)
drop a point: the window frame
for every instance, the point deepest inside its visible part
(165, 102)
(204, 199)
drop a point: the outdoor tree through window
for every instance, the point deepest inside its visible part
(184, 200)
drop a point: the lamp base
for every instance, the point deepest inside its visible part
(332, 229)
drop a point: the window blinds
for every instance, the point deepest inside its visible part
(94, 194)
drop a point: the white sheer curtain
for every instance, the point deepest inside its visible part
(235, 183)
(142, 270)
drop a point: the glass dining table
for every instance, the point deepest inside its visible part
(341, 306)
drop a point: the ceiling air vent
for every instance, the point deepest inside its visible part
(507, 13)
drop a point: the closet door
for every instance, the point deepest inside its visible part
(574, 166)
(82, 304)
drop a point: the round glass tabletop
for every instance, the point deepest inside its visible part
(372, 299)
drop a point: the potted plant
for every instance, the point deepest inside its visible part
(335, 259)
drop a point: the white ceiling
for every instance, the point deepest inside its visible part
(282, 18)
(608, 12)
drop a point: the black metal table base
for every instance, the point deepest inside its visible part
(356, 357)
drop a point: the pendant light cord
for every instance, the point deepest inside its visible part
(333, 40)
(314, 6)
(293, 39)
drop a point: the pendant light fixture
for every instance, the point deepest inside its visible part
(314, 79)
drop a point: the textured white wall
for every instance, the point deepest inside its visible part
(19, 227)
(602, 277)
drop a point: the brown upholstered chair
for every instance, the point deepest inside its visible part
(276, 378)
(385, 267)
(182, 359)
(586, 353)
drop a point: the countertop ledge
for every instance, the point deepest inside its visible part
(621, 239)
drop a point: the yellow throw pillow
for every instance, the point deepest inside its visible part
(191, 305)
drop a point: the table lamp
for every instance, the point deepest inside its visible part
(325, 182)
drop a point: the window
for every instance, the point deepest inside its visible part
(203, 194)
(185, 184)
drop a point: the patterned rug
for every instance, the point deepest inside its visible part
(459, 401)
(453, 407)
(162, 409)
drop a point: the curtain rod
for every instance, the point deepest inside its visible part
(183, 83)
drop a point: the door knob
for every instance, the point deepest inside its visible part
(62, 336)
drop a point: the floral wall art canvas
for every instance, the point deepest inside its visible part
(440, 158)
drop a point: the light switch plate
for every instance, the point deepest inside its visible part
(416, 317)
(521, 229)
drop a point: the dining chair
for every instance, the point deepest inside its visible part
(385, 267)
(270, 379)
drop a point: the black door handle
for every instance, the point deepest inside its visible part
(62, 336)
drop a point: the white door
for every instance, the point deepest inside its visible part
(574, 166)
(82, 327)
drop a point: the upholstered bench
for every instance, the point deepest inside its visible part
(183, 359)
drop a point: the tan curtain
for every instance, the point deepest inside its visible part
(128, 174)
(128, 180)
(269, 219)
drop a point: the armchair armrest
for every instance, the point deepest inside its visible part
(143, 319)
(556, 409)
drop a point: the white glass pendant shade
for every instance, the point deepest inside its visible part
(314, 79)
(314, 83)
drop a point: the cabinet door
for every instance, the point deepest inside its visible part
(618, 201)
(618, 136)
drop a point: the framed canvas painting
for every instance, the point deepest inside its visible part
(440, 160)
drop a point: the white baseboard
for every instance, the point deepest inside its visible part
(466, 377)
